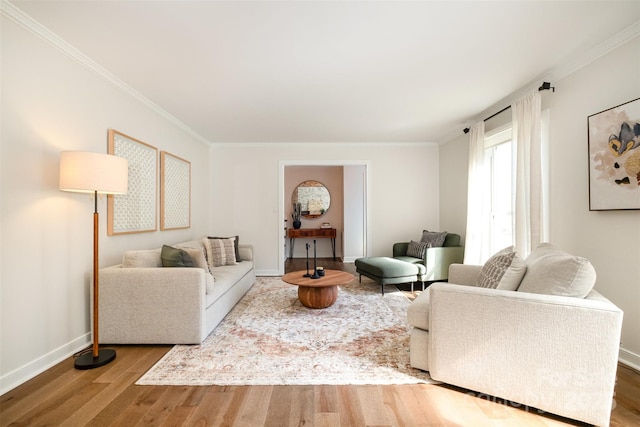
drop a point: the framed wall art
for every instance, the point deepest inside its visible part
(136, 211)
(175, 192)
(614, 158)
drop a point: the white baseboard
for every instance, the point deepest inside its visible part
(26, 372)
(267, 273)
(350, 259)
(630, 359)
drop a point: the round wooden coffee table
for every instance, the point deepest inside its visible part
(318, 293)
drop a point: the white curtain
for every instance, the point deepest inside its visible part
(477, 234)
(529, 227)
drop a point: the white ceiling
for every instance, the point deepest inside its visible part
(331, 71)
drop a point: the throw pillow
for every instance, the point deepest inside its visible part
(555, 272)
(236, 246)
(197, 256)
(174, 257)
(416, 249)
(195, 249)
(220, 252)
(149, 258)
(504, 270)
(433, 239)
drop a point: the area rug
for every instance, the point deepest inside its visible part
(270, 338)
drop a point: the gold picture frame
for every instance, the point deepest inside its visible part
(175, 192)
(136, 211)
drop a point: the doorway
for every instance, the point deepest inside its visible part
(352, 235)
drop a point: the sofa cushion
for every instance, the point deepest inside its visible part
(209, 283)
(433, 239)
(554, 272)
(220, 251)
(410, 259)
(175, 257)
(236, 245)
(416, 249)
(142, 258)
(226, 277)
(504, 270)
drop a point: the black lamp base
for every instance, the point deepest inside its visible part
(87, 361)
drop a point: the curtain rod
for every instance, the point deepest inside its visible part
(545, 86)
(466, 130)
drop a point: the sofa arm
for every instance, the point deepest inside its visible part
(557, 354)
(464, 274)
(437, 260)
(246, 252)
(151, 305)
(400, 249)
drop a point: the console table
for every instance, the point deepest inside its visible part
(312, 233)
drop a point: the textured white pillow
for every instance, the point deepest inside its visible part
(504, 270)
(220, 251)
(142, 258)
(554, 272)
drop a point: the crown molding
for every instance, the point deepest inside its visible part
(323, 145)
(575, 64)
(564, 70)
(16, 15)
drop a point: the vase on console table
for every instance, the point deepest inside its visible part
(296, 214)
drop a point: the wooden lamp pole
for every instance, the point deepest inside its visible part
(97, 357)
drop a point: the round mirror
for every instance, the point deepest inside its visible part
(314, 198)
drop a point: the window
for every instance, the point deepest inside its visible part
(494, 220)
(500, 158)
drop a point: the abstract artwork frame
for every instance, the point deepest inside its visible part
(175, 192)
(136, 211)
(614, 158)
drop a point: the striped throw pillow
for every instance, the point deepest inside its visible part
(417, 249)
(220, 251)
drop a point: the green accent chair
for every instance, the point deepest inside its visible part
(436, 260)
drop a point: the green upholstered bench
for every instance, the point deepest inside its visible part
(390, 271)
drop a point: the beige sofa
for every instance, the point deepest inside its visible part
(150, 304)
(554, 353)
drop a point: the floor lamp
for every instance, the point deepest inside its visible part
(95, 173)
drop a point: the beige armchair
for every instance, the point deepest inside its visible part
(556, 354)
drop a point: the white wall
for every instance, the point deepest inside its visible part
(403, 194)
(454, 162)
(52, 103)
(355, 213)
(611, 239)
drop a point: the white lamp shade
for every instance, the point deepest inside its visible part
(87, 172)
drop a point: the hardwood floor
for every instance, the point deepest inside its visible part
(108, 396)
